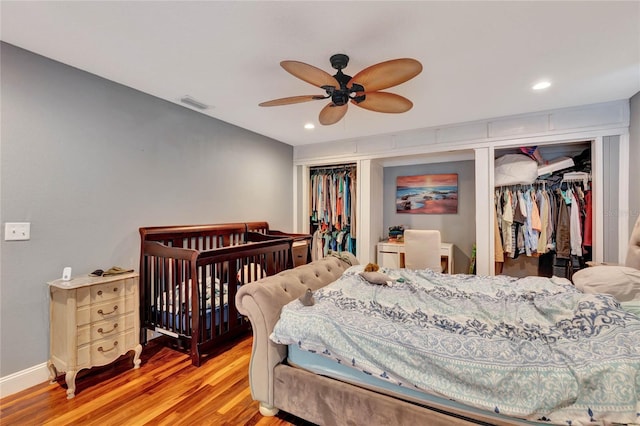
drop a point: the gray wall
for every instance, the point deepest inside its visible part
(88, 162)
(634, 155)
(459, 228)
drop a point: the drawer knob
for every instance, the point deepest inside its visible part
(115, 290)
(115, 308)
(101, 331)
(100, 349)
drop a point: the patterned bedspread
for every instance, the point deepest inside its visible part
(533, 348)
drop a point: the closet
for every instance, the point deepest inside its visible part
(332, 208)
(543, 225)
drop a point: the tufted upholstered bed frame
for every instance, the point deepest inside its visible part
(319, 399)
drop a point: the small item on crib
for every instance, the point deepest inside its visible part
(307, 298)
(251, 272)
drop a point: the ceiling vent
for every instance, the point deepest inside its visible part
(188, 100)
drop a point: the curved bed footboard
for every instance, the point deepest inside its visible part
(261, 301)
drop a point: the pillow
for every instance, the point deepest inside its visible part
(376, 278)
(514, 169)
(345, 256)
(621, 282)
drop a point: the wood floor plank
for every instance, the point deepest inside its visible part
(165, 390)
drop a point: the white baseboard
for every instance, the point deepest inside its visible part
(24, 379)
(35, 375)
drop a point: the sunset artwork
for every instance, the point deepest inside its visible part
(427, 194)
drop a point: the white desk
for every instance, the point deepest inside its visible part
(391, 255)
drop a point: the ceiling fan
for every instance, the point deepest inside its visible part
(363, 89)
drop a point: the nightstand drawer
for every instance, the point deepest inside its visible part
(106, 350)
(103, 311)
(102, 292)
(102, 329)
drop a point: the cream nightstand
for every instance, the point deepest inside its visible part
(93, 321)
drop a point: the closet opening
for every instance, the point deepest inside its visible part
(332, 208)
(543, 209)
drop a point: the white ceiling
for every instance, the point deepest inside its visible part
(480, 59)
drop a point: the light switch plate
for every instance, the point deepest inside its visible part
(17, 231)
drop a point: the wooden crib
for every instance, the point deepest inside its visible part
(218, 259)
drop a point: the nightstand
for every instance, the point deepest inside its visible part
(93, 321)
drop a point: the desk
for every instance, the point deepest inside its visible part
(391, 255)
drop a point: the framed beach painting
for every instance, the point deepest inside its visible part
(427, 194)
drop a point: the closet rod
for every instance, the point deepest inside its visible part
(336, 167)
(523, 185)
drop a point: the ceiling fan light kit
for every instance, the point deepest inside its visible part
(362, 90)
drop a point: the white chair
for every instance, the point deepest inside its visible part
(422, 249)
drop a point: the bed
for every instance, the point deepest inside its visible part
(491, 350)
(219, 259)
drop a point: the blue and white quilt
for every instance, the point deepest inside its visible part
(534, 348)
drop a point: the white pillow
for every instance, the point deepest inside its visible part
(376, 278)
(621, 282)
(515, 169)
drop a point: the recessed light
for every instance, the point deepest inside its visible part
(542, 85)
(309, 126)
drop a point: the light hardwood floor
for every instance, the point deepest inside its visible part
(166, 390)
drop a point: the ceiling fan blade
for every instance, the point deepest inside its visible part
(332, 113)
(387, 74)
(384, 102)
(291, 100)
(310, 74)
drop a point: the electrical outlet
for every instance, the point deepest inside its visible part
(17, 231)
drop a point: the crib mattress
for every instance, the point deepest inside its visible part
(181, 320)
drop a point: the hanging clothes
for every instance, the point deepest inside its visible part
(507, 223)
(542, 201)
(575, 225)
(332, 209)
(588, 220)
(525, 220)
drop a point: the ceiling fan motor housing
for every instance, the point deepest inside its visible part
(339, 61)
(341, 95)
